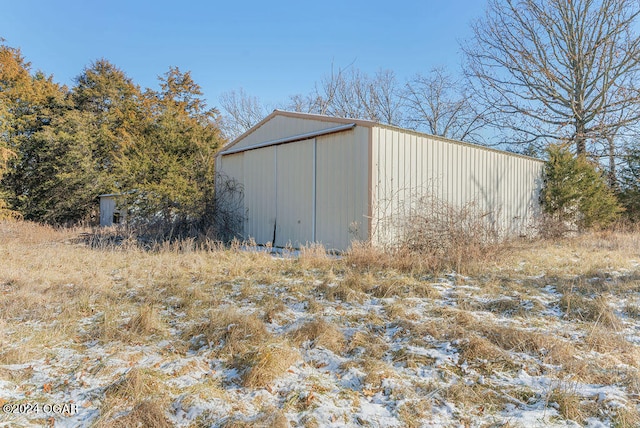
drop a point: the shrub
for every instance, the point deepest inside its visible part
(575, 195)
(441, 236)
(629, 192)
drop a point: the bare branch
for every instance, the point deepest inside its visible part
(549, 69)
(242, 112)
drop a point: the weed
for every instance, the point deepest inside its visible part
(146, 321)
(146, 413)
(320, 333)
(266, 364)
(229, 331)
(568, 402)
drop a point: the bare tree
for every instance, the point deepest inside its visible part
(547, 69)
(348, 92)
(437, 104)
(616, 133)
(387, 98)
(242, 111)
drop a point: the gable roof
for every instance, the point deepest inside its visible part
(227, 148)
(297, 115)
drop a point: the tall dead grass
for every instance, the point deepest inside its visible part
(54, 286)
(229, 332)
(320, 333)
(139, 391)
(266, 364)
(435, 236)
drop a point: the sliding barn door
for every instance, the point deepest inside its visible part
(295, 194)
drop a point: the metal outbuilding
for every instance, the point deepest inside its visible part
(110, 213)
(311, 178)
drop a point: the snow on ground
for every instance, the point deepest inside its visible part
(448, 357)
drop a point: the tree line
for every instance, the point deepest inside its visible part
(62, 146)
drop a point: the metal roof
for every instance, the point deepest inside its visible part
(359, 122)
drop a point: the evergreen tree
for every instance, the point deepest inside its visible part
(170, 168)
(59, 149)
(14, 76)
(29, 105)
(575, 193)
(112, 103)
(61, 186)
(630, 184)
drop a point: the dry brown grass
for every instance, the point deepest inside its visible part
(625, 417)
(411, 359)
(492, 339)
(268, 418)
(584, 255)
(314, 257)
(605, 341)
(412, 412)
(272, 308)
(632, 310)
(479, 348)
(136, 384)
(266, 364)
(146, 322)
(401, 286)
(230, 332)
(395, 310)
(591, 309)
(140, 391)
(551, 348)
(369, 343)
(17, 353)
(320, 333)
(376, 371)
(352, 289)
(55, 292)
(472, 395)
(146, 413)
(512, 306)
(569, 404)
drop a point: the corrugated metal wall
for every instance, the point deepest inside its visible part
(314, 190)
(363, 182)
(283, 126)
(260, 194)
(230, 192)
(342, 188)
(408, 166)
(294, 188)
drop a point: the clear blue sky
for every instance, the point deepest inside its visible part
(272, 49)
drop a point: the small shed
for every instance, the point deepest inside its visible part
(110, 212)
(309, 178)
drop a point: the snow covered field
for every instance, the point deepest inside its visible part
(546, 335)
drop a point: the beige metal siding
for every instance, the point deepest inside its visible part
(408, 166)
(282, 126)
(233, 167)
(307, 191)
(341, 188)
(328, 188)
(260, 194)
(294, 193)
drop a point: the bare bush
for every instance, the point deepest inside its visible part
(435, 235)
(226, 218)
